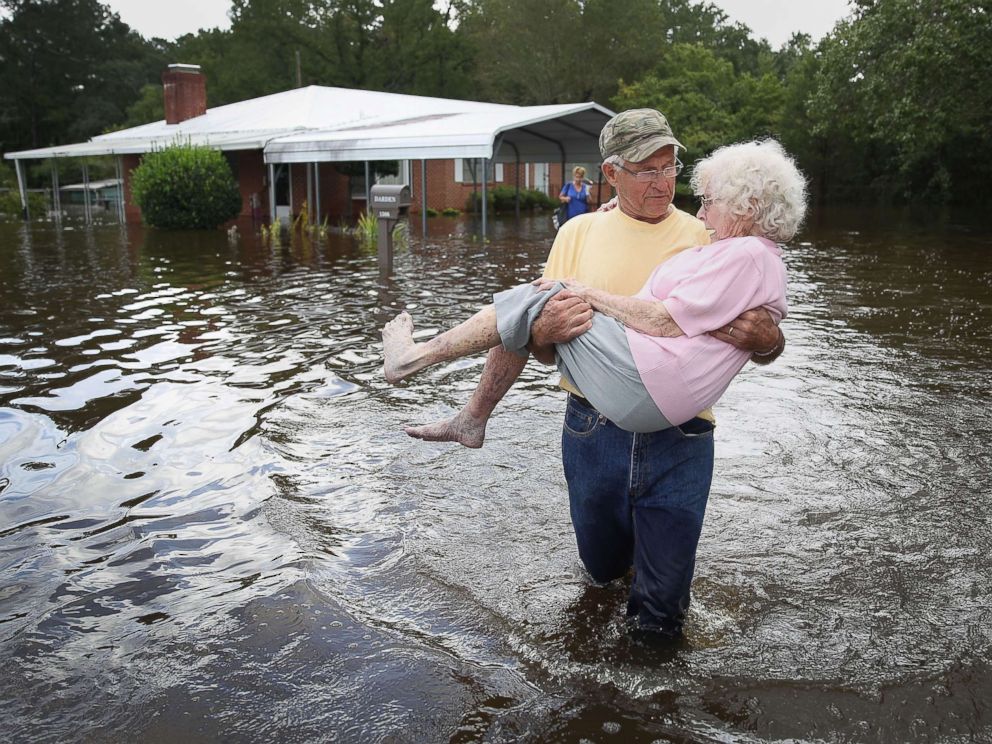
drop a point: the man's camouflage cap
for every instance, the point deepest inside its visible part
(636, 134)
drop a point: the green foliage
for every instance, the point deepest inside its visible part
(366, 229)
(272, 232)
(404, 46)
(10, 204)
(707, 102)
(148, 108)
(902, 97)
(502, 199)
(561, 51)
(431, 212)
(68, 70)
(185, 187)
(451, 212)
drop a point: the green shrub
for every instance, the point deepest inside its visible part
(185, 187)
(501, 199)
(451, 212)
(10, 204)
(431, 212)
(537, 199)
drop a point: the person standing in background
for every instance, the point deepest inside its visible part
(575, 194)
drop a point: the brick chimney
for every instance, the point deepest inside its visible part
(185, 90)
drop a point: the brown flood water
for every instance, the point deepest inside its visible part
(213, 528)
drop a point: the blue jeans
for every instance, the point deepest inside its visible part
(638, 500)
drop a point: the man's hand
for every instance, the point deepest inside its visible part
(756, 332)
(564, 317)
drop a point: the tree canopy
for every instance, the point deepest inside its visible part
(893, 104)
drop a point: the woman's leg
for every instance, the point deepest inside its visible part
(468, 426)
(404, 356)
(503, 327)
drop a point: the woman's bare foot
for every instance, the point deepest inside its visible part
(462, 428)
(398, 347)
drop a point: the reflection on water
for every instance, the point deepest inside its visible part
(212, 526)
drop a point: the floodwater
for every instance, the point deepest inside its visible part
(212, 526)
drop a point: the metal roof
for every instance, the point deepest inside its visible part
(532, 133)
(340, 124)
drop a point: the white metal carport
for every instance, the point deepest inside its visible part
(508, 134)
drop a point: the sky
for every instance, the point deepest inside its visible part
(774, 20)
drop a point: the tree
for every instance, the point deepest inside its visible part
(706, 101)
(527, 52)
(906, 86)
(149, 107)
(68, 70)
(418, 52)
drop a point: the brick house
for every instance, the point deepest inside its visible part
(307, 144)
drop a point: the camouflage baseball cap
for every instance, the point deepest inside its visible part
(635, 134)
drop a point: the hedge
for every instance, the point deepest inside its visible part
(185, 187)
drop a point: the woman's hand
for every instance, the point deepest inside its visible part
(543, 285)
(610, 205)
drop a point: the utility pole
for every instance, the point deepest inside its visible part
(299, 75)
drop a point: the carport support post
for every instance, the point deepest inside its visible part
(316, 188)
(86, 192)
(368, 190)
(310, 193)
(423, 196)
(516, 195)
(485, 200)
(55, 190)
(25, 212)
(119, 162)
(272, 194)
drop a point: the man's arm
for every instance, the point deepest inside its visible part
(754, 331)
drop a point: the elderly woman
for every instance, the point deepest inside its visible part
(647, 362)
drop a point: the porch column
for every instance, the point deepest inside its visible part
(423, 196)
(316, 188)
(485, 192)
(368, 190)
(119, 170)
(272, 194)
(25, 212)
(55, 190)
(310, 193)
(86, 193)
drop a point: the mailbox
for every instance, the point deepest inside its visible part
(390, 202)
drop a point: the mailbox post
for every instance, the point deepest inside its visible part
(389, 203)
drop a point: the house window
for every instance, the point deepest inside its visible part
(465, 168)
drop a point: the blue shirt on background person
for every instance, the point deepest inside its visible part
(575, 194)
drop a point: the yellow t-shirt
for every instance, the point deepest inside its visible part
(616, 253)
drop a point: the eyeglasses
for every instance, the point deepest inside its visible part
(706, 201)
(646, 176)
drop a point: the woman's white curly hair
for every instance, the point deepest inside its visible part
(759, 183)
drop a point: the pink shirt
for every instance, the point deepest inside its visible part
(703, 289)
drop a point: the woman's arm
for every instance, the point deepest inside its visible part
(647, 316)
